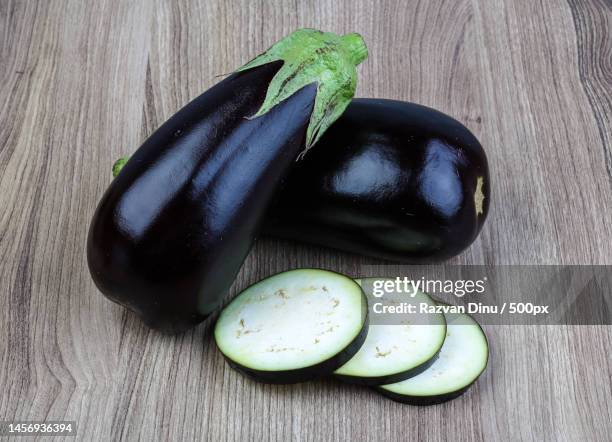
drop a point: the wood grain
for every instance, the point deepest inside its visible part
(85, 82)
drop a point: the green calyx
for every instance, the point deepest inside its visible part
(312, 56)
(119, 165)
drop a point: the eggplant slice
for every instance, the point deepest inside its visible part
(293, 326)
(395, 352)
(462, 360)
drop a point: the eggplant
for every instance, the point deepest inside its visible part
(293, 326)
(391, 180)
(172, 230)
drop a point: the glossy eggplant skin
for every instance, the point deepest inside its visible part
(174, 227)
(389, 179)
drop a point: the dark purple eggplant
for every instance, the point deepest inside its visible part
(174, 227)
(389, 179)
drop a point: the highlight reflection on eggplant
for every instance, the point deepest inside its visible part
(174, 227)
(389, 179)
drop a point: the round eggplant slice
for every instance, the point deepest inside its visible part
(392, 353)
(293, 326)
(462, 360)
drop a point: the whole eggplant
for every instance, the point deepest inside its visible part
(174, 227)
(390, 179)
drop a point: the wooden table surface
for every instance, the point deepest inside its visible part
(83, 82)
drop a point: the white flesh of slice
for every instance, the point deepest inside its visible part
(391, 349)
(292, 320)
(462, 359)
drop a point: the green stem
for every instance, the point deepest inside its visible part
(119, 165)
(311, 56)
